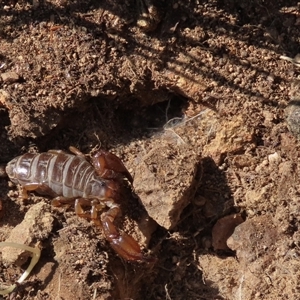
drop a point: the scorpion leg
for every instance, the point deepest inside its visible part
(55, 151)
(61, 201)
(76, 151)
(72, 150)
(109, 166)
(38, 187)
(125, 245)
(79, 203)
(93, 214)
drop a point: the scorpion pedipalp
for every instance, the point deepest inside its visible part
(125, 245)
(109, 166)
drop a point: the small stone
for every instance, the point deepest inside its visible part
(274, 158)
(36, 226)
(10, 77)
(5, 99)
(292, 113)
(223, 229)
(253, 238)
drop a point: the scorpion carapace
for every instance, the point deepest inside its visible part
(72, 179)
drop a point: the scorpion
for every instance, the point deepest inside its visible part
(72, 179)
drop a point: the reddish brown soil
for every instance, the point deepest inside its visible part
(191, 96)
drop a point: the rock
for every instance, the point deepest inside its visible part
(36, 226)
(223, 229)
(164, 180)
(292, 113)
(231, 137)
(145, 227)
(274, 158)
(5, 99)
(254, 238)
(10, 77)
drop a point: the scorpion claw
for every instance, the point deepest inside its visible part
(128, 248)
(109, 166)
(125, 245)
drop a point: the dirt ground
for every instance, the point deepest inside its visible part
(192, 96)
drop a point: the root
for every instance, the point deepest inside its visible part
(36, 253)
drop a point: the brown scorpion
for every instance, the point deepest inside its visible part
(71, 178)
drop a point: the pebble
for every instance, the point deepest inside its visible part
(292, 113)
(36, 226)
(10, 77)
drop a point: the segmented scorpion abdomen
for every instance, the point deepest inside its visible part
(63, 174)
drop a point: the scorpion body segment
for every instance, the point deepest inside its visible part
(57, 174)
(73, 179)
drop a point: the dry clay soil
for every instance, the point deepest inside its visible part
(191, 95)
